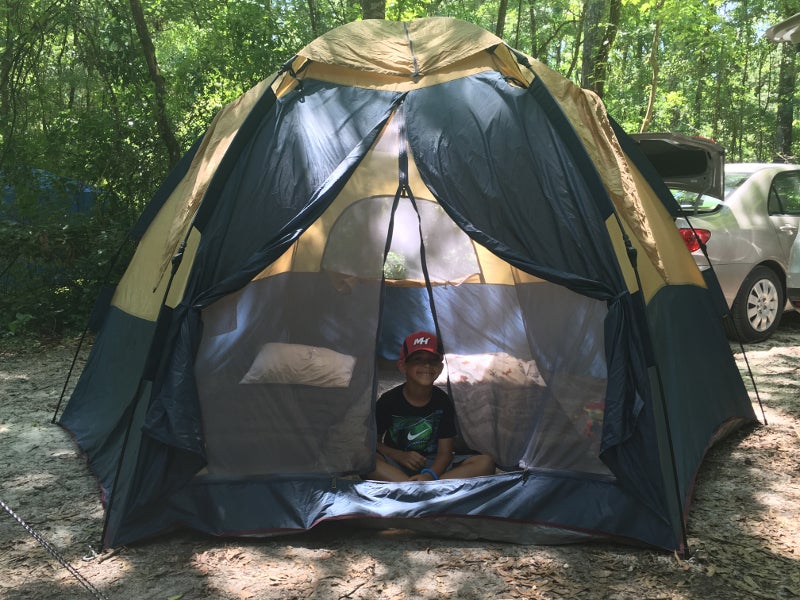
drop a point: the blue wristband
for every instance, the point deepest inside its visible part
(429, 472)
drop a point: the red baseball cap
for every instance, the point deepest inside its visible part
(420, 341)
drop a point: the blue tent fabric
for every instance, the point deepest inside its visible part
(309, 143)
(567, 199)
(234, 264)
(572, 246)
(33, 195)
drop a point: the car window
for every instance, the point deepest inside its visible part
(695, 203)
(784, 195)
(734, 180)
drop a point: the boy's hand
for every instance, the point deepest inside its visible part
(413, 461)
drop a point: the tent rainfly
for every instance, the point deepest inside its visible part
(394, 177)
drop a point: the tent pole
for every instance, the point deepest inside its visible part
(752, 378)
(676, 483)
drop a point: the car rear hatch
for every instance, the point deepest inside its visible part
(692, 164)
(785, 31)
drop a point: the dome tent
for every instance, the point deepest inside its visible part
(396, 177)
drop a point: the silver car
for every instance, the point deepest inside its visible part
(750, 237)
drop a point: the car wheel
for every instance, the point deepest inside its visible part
(757, 309)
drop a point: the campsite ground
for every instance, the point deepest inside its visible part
(744, 525)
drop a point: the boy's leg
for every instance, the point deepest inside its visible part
(474, 466)
(386, 472)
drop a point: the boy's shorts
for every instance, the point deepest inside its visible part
(457, 460)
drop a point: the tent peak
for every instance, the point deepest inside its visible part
(400, 48)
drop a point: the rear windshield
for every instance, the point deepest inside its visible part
(734, 180)
(694, 203)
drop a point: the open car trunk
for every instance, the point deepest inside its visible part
(785, 31)
(692, 164)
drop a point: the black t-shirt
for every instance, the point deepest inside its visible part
(417, 428)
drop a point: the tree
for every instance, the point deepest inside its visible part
(787, 82)
(162, 121)
(648, 115)
(787, 79)
(373, 9)
(600, 29)
(502, 10)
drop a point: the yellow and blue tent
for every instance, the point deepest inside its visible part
(394, 177)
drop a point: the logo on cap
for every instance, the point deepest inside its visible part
(420, 341)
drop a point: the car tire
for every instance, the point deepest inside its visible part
(757, 309)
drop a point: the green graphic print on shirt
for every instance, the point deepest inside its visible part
(416, 433)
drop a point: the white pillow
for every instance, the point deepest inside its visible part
(278, 362)
(497, 368)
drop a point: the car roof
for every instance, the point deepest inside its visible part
(753, 167)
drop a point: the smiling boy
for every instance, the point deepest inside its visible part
(416, 422)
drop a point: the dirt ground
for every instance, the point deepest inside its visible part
(744, 525)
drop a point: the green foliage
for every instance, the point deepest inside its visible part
(52, 274)
(716, 72)
(395, 266)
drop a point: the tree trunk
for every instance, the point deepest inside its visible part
(592, 14)
(313, 18)
(576, 45)
(518, 27)
(785, 103)
(502, 10)
(162, 121)
(599, 35)
(373, 9)
(534, 31)
(6, 64)
(648, 115)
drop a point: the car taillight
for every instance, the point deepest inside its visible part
(694, 237)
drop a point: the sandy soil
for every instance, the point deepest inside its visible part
(744, 526)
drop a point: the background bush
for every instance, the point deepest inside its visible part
(59, 240)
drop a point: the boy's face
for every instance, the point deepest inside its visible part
(421, 368)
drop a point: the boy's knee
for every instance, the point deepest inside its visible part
(486, 463)
(481, 464)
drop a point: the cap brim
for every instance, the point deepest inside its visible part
(436, 354)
